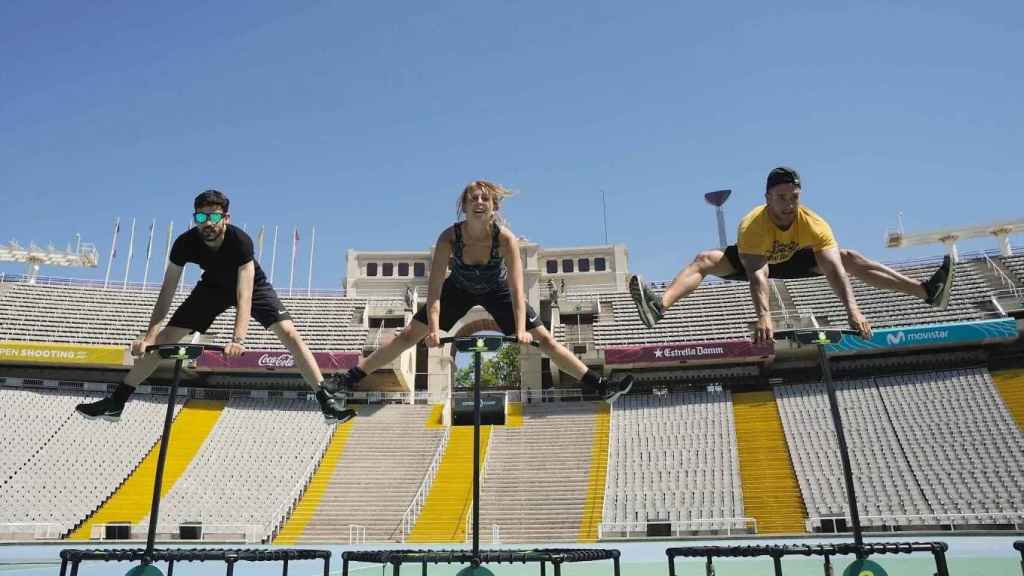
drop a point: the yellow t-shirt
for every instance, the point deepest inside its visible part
(759, 235)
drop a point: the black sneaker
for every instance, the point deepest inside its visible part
(340, 384)
(331, 411)
(648, 304)
(108, 409)
(611, 391)
(940, 286)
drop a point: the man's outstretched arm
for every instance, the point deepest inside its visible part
(757, 274)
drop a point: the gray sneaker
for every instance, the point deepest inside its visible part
(648, 304)
(940, 286)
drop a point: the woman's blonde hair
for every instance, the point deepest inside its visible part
(496, 192)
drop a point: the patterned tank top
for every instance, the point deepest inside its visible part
(477, 278)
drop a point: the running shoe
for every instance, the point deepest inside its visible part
(648, 304)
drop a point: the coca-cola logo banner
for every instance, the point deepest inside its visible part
(275, 360)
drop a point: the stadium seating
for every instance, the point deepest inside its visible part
(252, 466)
(59, 467)
(884, 308)
(672, 458)
(923, 448)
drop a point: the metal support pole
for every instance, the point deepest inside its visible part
(477, 356)
(154, 511)
(844, 454)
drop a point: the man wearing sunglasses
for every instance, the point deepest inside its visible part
(231, 277)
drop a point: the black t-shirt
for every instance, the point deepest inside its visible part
(220, 267)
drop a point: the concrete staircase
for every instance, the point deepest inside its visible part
(537, 477)
(386, 455)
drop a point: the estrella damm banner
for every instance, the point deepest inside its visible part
(928, 335)
(60, 353)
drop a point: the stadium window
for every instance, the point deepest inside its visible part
(567, 265)
(403, 268)
(387, 269)
(419, 269)
(552, 266)
(600, 265)
(371, 269)
(584, 264)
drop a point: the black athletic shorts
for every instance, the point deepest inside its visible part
(205, 303)
(801, 265)
(456, 302)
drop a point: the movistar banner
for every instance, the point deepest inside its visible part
(928, 335)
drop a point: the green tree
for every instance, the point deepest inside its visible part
(501, 370)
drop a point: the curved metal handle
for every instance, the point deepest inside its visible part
(480, 343)
(182, 351)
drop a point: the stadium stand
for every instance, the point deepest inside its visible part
(93, 315)
(673, 459)
(59, 466)
(924, 447)
(883, 308)
(252, 466)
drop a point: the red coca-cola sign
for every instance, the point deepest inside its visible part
(274, 360)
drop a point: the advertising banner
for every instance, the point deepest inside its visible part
(689, 352)
(61, 354)
(277, 360)
(929, 335)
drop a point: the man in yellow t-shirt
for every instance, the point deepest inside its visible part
(782, 239)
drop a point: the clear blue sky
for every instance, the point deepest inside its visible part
(366, 119)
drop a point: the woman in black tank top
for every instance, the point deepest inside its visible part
(476, 262)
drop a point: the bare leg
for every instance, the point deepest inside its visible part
(879, 275)
(711, 262)
(408, 338)
(146, 364)
(565, 360)
(292, 340)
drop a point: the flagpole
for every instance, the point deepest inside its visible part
(312, 247)
(295, 247)
(113, 251)
(167, 252)
(184, 269)
(149, 253)
(259, 240)
(131, 248)
(273, 257)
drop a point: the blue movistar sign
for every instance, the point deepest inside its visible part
(1000, 329)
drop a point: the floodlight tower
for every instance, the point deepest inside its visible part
(717, 199)
(84, 255)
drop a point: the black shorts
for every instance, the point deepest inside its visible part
(801, 264)
(205, 303)
(456, 302)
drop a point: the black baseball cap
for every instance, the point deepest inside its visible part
(782, 175)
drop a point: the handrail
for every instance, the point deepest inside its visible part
(411, 513)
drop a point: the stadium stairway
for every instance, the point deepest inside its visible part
(443, 518)
(132, 500)
(1010, 384)
(594, 505)
(770, 490)
(311, 498)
